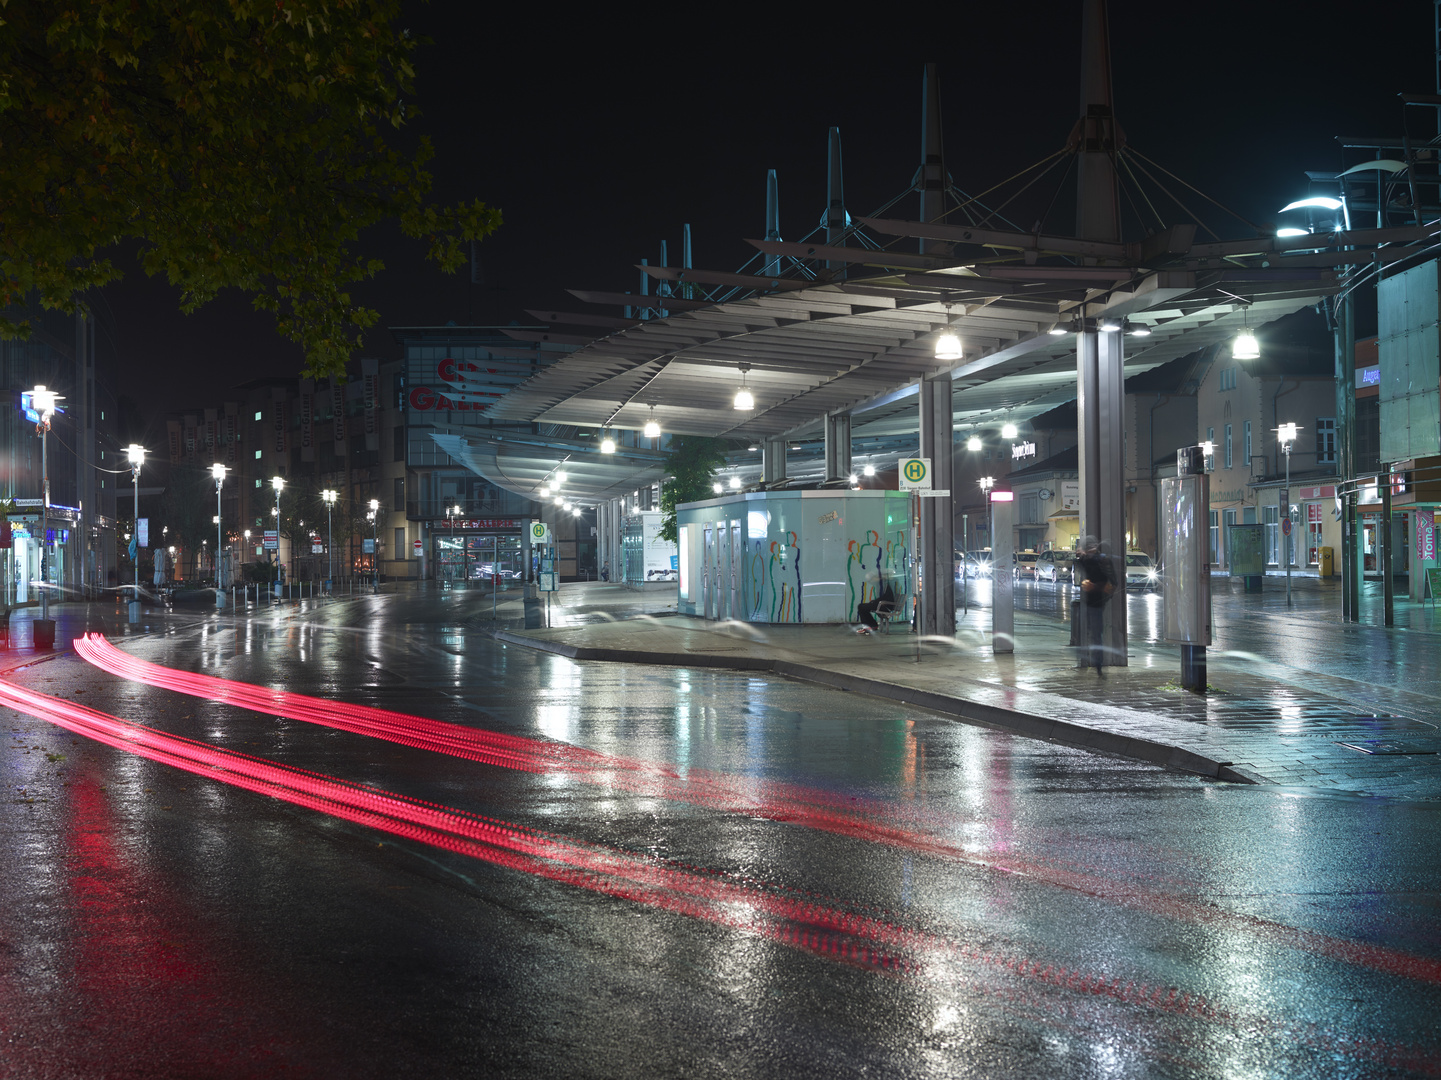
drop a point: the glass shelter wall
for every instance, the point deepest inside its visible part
(793, 556)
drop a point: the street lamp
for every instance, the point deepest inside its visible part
(278, 483)
(375, 541)
(136, 453)
(328, 497)
(988, 482)
(1286, 435)
(40, 405)
(218, 471)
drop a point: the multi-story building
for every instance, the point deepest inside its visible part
(1240, 408)
(60, 354)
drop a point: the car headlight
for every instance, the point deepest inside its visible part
(1151, 574)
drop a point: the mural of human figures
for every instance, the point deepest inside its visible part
(856, 568)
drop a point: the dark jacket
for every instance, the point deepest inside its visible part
(1097, 569)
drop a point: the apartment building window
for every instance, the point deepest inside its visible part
(1228, 378)
(398, 443)
(1246, 442)
(399, 501)
(1215, 531)
(400, 552)
(1325, 440)
(1228, 446)
(1271, 521)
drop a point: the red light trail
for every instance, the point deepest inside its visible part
(755, 909)
(791, 804)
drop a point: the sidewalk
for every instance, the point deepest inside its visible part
(1306, 700)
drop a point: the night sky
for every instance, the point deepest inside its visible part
(600, 135)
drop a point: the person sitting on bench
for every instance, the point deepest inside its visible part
(885, 602)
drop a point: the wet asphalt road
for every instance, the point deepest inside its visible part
(989, 906)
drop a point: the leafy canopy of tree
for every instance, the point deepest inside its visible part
(692, 463)
(240, 143)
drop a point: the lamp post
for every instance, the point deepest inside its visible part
(988, 482)
(464, 568)
(40, 405)
(328, 497)
(1286, 435)
(278, 483)
(136, 453)
(218, 471)
(375, 541)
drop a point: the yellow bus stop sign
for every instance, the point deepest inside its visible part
(915, 474)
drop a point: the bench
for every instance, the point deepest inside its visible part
(886, 613)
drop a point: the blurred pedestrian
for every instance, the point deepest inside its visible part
(1098, 584)
(884, 601)
(605, 572)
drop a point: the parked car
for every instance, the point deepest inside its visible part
(1055, 565)
(1025, 566)
(1141, 572)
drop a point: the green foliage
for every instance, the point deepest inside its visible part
(693, 462)
(241, 143)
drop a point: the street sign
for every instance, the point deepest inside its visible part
(142, 531)
(935, 493)
(367, 546)
(416, 548)
(1285, 526)
(915, 474)
(317, 548)
(272, 540)
(539, 532)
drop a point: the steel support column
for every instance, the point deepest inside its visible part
(773, 460)
(1345, 336)
(937, 529)
(1383, 557)
(1100, 408)
(838, 446)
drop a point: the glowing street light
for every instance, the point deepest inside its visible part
(218, 471)
(328, 497)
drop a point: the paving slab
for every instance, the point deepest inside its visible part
(1261, 721)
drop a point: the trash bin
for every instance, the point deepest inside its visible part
(44, 631)
(533, 617)
(1328, 561)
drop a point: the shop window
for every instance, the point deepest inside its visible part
(1271, 520)
(1315, 515)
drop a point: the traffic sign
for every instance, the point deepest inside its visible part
(272, 540)
(1285, 526)
(539, 532)
(915, 474)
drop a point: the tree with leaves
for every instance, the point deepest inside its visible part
(693, 462)
(238, 143)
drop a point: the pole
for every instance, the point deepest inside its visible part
(45, 521)
(1289, 539)
(1383, 556)
(329, 546)
(218, 536)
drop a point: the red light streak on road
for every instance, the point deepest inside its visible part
(807, 925)
(784, 803)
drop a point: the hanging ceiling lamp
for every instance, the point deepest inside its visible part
(652, 428)
(1245, 347)
(607, 443)
(1009, 431)
(744, 401)
(948, 345)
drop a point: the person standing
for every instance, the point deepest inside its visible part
(1098, 584)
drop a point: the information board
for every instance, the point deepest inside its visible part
(1433, 581)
